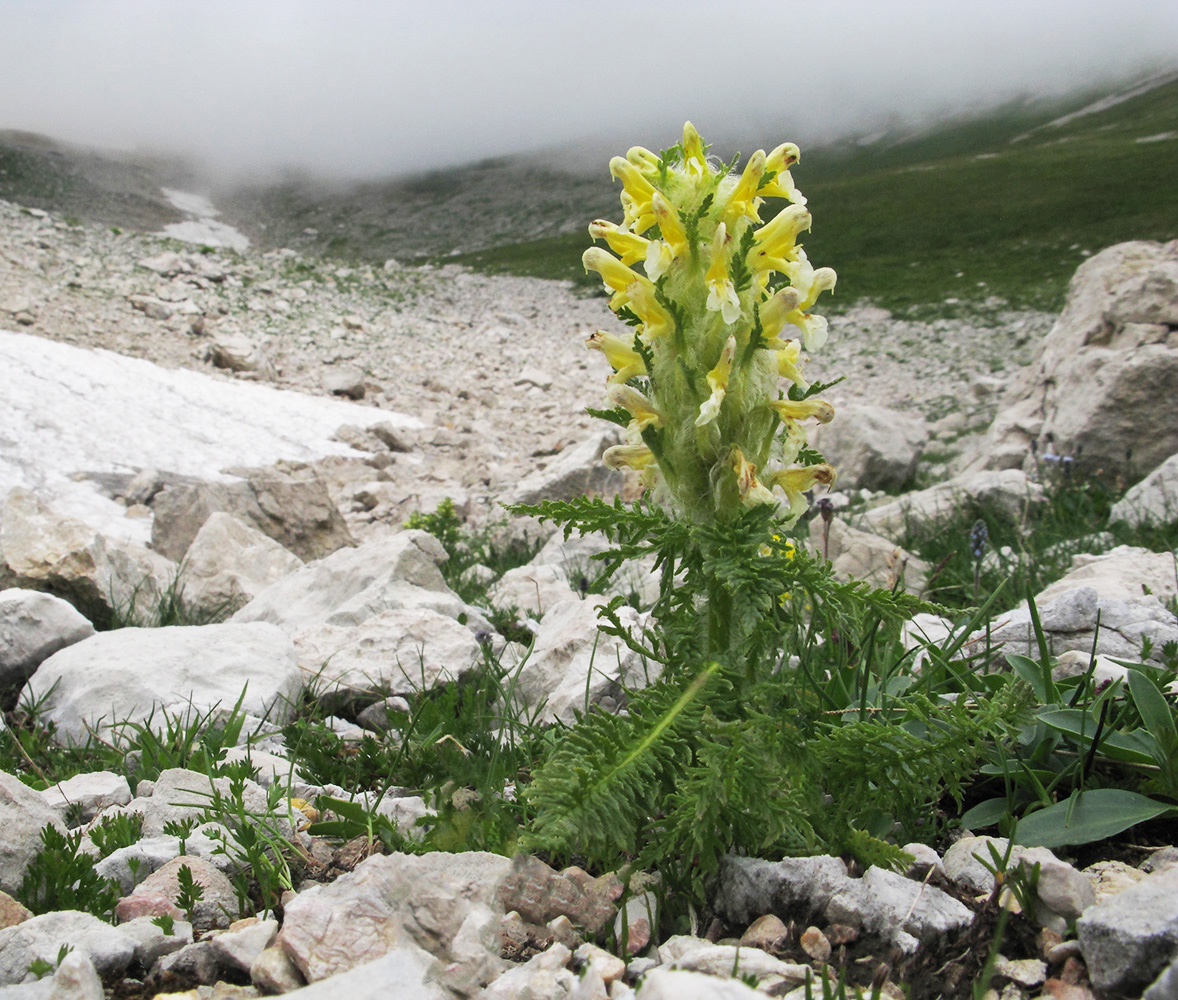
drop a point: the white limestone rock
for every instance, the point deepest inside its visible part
(1154, 500)
(532, 589)
(575, 472)
(1010, 491)
(23, 813)
(108, 949)
(34, 626)
(569, 653)
(131, 674)
(229, 563)
(42, 548)
(1125, 573)
(87, 794)
(872, 447)
(402, 651)
(1114, 339)
(860, 555)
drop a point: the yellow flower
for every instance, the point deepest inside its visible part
(775, 310)
(656, 321)
(626, 362)
(782, 184)
(795, 482)
(670, 225)
(639, 406)
(752, 490)
(718, 383)
(744, 201)
(774, 242)
(636, 192)
(631, 456)
(788, 409)
(788, 359)
(626, 245)
(722, 297)
(614, 273)
(694, 155)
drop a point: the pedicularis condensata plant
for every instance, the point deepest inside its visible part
(710, 386)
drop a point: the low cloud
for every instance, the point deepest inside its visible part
(355, 89)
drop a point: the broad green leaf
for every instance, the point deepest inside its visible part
(1087, 816)
(1033, 673)
(985, 814)
(1155, 710)
(1132, 748)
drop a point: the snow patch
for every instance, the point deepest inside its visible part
(202, 228)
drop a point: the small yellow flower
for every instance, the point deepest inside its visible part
(656, 321)
(628, 456)
(718, 383)
(636, 192)
(639, 406)
(694, 155)
(752, 491)
(775, 242)
(722, 297)
(670, 225)
(788, 360)
(626, 362)
(788, 409)
(782, 184)
(744, 201)
(796, 482)
(616, 275)
(626, 245)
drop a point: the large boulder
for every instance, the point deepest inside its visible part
(34, 626)
(1103, 382)
(133, 674)
(872, 447)
(287, 501)
(573, 473)
(42, 549)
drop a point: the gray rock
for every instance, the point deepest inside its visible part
(531, 589)
(349, 581)
(672, 984)
(34, 626)
(415, 974)
(274, 972)
(234, 351)
(23, 813)
(43, 549)
(130, 674)
(897, 909)
(1114, 340)
(570, 656)
(108, 949)
(575, 472)
(237, 950)
(74, 979)
(87, 794)
(346, 381)
(1008, 491)
(1154, 500)
(287, 501)
(395, 652)
(1129, 938)
(1165, 987)
(860, 555)
(151, 943)
(217, 906)
(872, 447)
(1124, 573)
(229, 563)
(966, 861)
(701, 955)
(1069, 623)
(750, 887)
(444, 903)
(543, 976)
(130, 865)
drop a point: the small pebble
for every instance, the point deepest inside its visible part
(815, 944)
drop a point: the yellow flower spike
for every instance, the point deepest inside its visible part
(788, 360)
(782, 184)
(614, 273)
(695, 158)
(631, 456)
(656, 321)
(722, 297)
(629, 398)
(629, 247)
(775, 310)
(788, 409)
(670, 225)
(718, 382)
(626, 362)
(752, 490)
(744, 200)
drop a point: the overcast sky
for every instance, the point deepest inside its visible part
(364, 88)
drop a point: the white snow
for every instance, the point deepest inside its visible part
(66, 411)
(202, 229)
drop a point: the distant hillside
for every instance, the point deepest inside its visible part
(1001, 205)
